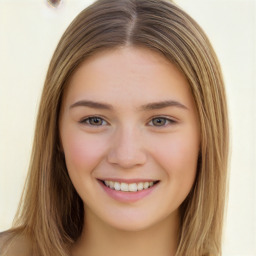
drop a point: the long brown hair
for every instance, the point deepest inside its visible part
(51, 212)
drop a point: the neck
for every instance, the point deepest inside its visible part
(100, 239)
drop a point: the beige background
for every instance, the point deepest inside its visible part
(29, 32)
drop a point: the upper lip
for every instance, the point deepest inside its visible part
(127, 180)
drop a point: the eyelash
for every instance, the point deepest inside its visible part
(87, 120)
(167, 121)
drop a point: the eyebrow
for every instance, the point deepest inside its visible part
(146, 107)
(92, 104)
(163, 104)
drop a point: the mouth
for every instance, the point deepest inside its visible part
(129, 187)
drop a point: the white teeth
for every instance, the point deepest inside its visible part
(146, 185)
(124, 187)
(111, 184)
(140, 186)
(117, 186)
(132, 187)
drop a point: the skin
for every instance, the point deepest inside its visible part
(129, 142)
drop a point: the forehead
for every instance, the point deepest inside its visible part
(128, 75)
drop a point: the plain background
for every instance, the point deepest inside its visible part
(29, 32)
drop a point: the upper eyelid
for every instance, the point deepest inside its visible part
(171, 120)
(82, 120)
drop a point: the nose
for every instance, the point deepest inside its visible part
(127, 150)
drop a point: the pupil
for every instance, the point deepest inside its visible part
(159, 121)
(95, 121)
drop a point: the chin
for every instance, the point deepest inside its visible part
(138, 221)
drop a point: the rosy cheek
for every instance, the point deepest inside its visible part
(82, 152)
(178, 155)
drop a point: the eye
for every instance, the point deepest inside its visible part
(161, 121)
(94, 121)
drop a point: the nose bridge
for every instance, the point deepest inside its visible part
(127, 147)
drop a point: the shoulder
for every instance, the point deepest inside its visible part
(14, 245)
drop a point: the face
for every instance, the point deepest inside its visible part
(130, 134)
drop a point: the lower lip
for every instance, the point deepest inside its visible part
(128, 197)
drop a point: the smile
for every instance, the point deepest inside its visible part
(128, 191)
(129, 187)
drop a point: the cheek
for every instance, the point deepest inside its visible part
(82, 151)
(178, 156)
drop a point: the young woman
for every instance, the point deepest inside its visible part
(131, 143)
